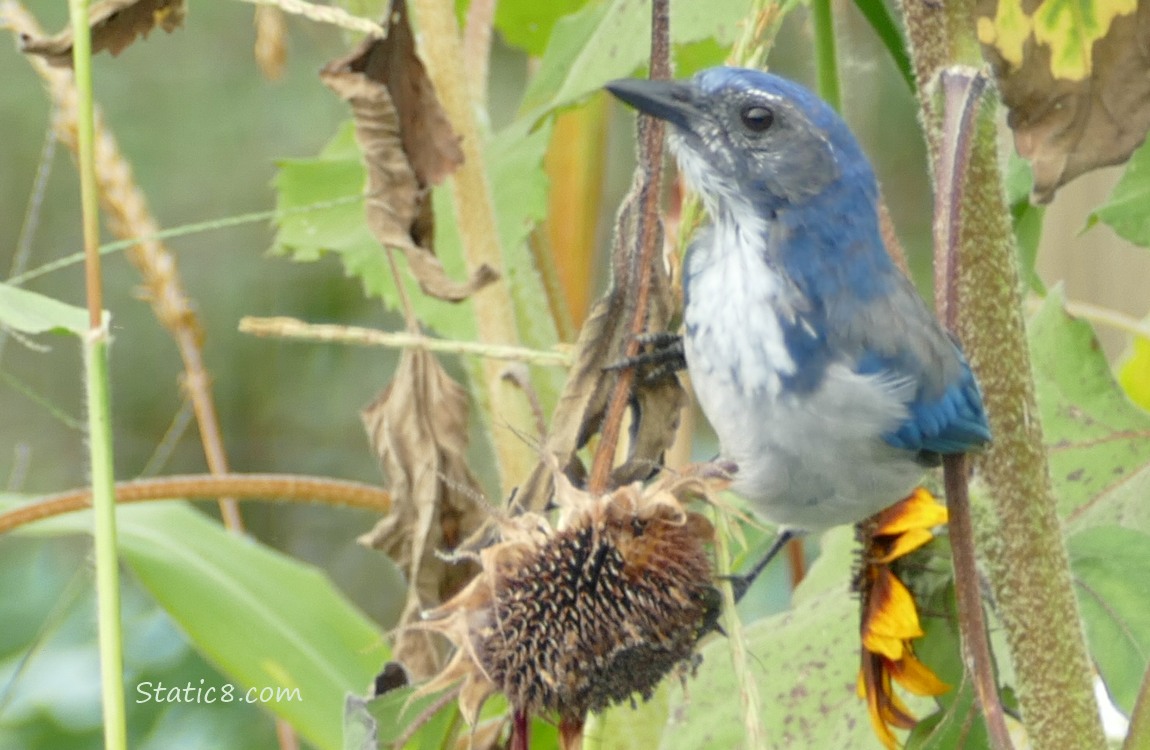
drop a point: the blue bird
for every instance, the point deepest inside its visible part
(829, 383)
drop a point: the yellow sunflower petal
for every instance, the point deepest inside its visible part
(916, 677)
(919, 511)
(886, 646)
(891, 612)
(904, 544)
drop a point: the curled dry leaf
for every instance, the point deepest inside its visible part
(418, 428)
(1078, 90)
(655, 405)
(408, 145)
(574, 618)
(115, 24)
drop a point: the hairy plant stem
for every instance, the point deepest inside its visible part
(98, 397)
(1138, 735)
(287, 487)
(471, 191)
(1025, 556)
(961, 91)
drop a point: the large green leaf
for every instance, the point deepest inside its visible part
(264, 619)
(1099, 442)
(607, 40)
(1125, 209)
(519, 191)
(29, 312)
(804, 663)
(1111, 566)
(528, 23)
(340, 227)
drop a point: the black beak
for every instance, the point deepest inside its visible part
(667, 100)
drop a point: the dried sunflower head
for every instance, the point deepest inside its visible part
(571, 619)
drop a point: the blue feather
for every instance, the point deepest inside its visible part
(953, 423)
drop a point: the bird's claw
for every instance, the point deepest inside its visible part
(662, 358)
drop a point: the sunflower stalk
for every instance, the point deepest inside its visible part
(1025, 555)
(961, 91)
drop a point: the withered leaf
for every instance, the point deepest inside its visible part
(1078, 93)
(115, 24)
(408, 145)
(655, 406)
(418, 427)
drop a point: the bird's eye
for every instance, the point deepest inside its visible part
(757, 119)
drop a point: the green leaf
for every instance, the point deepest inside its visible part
(1125, 210)
(340, 227)
(381, 722)
(32, 313)
(1026, 218)
(612, 39)
(624, 727)
(883, 25)
(264, 619)
(1098, 442)
(527, 24)
(1111, 566)
(804, 662)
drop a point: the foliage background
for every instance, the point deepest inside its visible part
(203, 130)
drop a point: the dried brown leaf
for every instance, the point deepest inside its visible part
(585, 396)
(408, 146)
(115, 24)
(418, 427)
(1076, 103)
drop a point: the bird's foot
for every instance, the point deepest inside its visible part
(661, 358)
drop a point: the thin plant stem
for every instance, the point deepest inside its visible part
(181, 231)
(326, 14)
(748, 689)
(293, 328)
(642, 254)
(32, 215)
(285, 487)
(826, 56)
(97, 390)
(962, 89)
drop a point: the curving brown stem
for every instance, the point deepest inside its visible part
(961, 91)
(638, 265)
(286, 487)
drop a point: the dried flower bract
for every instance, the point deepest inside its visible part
(572, 619)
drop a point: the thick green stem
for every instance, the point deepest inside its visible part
(1025, 556)
(97, 389)
(826, 58)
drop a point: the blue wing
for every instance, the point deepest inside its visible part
(955, 422)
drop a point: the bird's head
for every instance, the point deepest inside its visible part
(749, 140)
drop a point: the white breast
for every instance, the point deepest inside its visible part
(809, 462)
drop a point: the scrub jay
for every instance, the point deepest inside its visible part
(830, 384)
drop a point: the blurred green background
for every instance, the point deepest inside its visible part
(203, 130)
